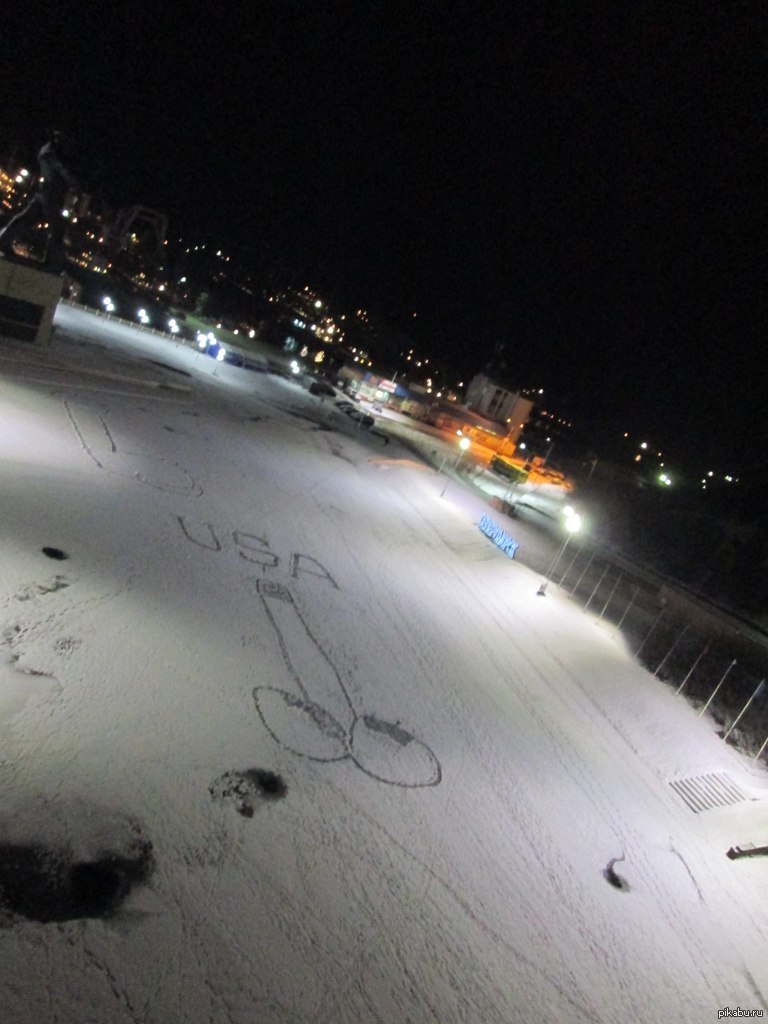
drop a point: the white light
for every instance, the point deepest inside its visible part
(573, 523)
(318, 304)
(220, 355)
(464, 443)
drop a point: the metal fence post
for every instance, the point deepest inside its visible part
(583, 571)
(570, 566)
(597, 586)
(717, 688)
(674, 645)
(655, 624)
(693, 667)
(629, 605)
(613, 591)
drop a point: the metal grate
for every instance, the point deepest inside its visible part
(703, 792)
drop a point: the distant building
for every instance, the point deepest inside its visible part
(496, 401)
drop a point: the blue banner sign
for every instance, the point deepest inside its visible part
(495, 533)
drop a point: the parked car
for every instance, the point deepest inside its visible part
(319, 387)
(363, 418)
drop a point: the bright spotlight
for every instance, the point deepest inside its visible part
(573, 523)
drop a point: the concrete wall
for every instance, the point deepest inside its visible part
(28, 299)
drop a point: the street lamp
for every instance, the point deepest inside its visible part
(572, 525)
(464, 444)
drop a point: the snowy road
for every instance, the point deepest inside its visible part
(380, 778)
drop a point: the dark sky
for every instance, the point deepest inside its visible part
(584, 183)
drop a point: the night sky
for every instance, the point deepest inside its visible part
(584, 184)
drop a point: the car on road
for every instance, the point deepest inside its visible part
(360, 417)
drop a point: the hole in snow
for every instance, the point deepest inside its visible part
(56, 553)
(614, 879)
(270, 784)
(247, 788)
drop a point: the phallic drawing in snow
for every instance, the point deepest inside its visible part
(316, 719)
(247, 789)
(98, 442)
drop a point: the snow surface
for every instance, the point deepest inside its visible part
(244, 592)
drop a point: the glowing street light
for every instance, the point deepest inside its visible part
(572, 525)
(464, 444)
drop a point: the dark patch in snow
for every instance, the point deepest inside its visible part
(166, 427)
(36, 589)
(56, 553)
(322, 426)
(247, 788)
(43, 884)
(613, 878)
